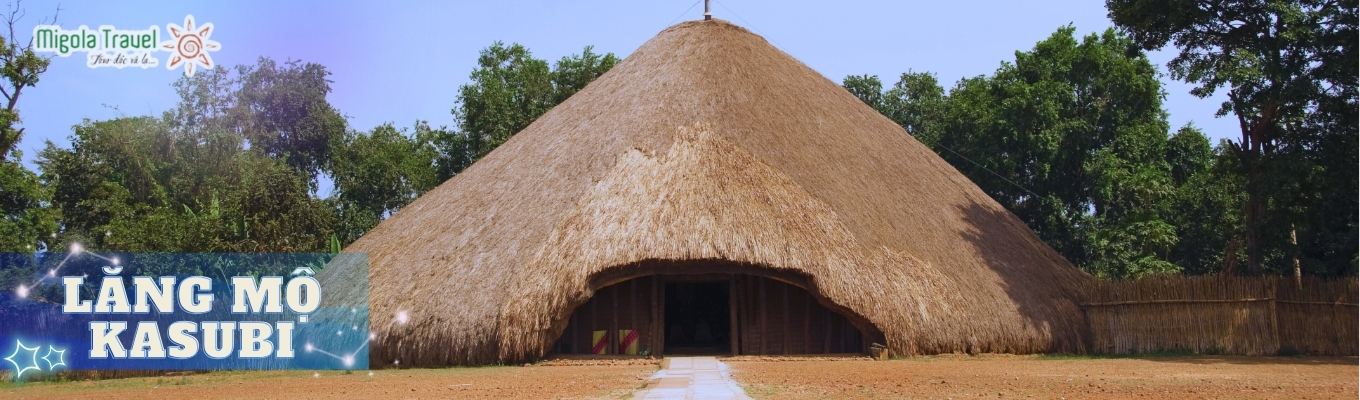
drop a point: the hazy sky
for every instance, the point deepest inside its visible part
(402, 61)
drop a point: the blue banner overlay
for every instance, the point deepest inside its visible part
(182, 311)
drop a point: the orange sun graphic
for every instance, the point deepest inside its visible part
(191, 46)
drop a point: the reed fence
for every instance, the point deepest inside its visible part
(1224, 315)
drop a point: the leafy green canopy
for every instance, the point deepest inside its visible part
(509, 90)
(24, 213)
(379, 172)
(20, 67)
(1290, 72)
(1072, 138)
(24, 216)
(236, 164)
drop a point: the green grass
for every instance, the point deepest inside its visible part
(761, 391)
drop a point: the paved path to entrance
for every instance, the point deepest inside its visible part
(693, 378)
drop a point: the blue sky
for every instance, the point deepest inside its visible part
(402, 61)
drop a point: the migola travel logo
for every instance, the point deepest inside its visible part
(111, 47)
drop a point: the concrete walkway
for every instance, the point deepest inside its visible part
(693, 378)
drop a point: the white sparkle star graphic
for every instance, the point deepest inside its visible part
(59, 356)
(191, 46)
(33, 352)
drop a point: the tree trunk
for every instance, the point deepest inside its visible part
(1254, 211)
(1230, 256)
(1298, 272)
(1255, 142)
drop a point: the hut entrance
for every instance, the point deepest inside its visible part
(698, 318)
(725, 313)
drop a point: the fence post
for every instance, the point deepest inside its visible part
(1274, 319)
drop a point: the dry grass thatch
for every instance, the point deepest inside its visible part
(709, 143)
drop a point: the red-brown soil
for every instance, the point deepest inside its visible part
(992, 376)
(1002, 376)
(535, 382)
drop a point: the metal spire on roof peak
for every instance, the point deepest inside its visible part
(707, 14)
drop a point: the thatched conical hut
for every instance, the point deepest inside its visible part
(711, 193)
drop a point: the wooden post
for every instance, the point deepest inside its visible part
(752, 320)
(748, 315)
(764, 317)
(654, 342)
(745, 318)
(845, 335)
(1274, 320)
(826, 340)
(594, 319)
(732, 312)
(661, 316)
(632, 307)
(788, 320)
(613, 340)
(807, 323)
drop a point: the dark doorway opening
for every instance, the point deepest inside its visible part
(661, 314)
(697, 319)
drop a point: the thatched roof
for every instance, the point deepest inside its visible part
(708, 143)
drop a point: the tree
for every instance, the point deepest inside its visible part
(1202, 208)
(1071, 137)
(868, 89)
(20, 66)
(572, 73)
(1290, 71)
(509, 90)
(286, 115)
(186, 182)
(25, 218)
(916, 101)
(379, 172)
(1075, 132)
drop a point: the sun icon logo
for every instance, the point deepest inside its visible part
(191, 46)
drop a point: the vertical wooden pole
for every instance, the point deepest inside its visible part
(845, 335)
(807, 323)
(632, 306)
(743, 314)
(764, 317)
(749, 318)
(654, 341)
(661, 319)
(613, 321)
(788, 320)
(1274, 321)
(575, 326)
(732, 311)
(826, 337)
(594, 319)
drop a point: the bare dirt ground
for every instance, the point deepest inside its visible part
(535, 382)
(992, 376)
(1005, 376)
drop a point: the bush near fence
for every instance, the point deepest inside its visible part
(1224, 315)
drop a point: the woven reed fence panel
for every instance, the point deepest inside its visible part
(1320, 318)
(1216, 314)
